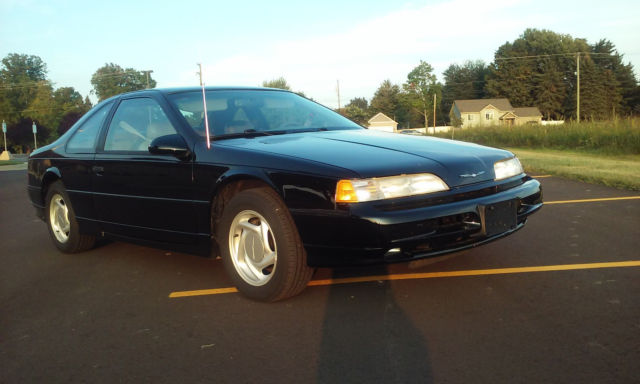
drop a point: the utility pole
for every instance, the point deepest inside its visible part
(147, 74)
(200, 73)
(338, 90)
(578, 85)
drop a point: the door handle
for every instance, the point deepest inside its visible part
(97, 170)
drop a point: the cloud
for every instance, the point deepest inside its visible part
(370, 51)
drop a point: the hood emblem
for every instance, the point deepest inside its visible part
(472, 174)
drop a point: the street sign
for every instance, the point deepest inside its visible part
(35, 129)
(4, 133)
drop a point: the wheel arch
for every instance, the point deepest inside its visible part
(50, 176)
(231, 183)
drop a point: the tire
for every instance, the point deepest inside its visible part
(260, 246)
(61, 221)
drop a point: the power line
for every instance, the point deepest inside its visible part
(38, 83)
(571, 54)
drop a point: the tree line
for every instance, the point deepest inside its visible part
(538, 69)
(28, 96)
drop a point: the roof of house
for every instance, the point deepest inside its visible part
(527, 112)
(508, 115)
(381, 118)
(476, 105)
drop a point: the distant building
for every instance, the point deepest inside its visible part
(382, 122)
(484, 112)
(526, 115)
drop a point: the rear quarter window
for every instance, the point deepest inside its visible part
(84, 138)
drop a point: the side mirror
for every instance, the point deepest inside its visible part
(173, 145)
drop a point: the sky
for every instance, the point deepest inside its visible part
(312, 44)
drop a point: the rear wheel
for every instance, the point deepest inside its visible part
(61, 221)
(261, 248)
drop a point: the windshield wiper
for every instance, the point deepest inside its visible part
(247, 133)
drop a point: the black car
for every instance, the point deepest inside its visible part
(274, 183)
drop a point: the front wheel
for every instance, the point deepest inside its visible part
(261, 249)
(61, 221)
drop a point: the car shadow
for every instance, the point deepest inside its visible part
(367, 337)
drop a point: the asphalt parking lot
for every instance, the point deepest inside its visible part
(558, 301)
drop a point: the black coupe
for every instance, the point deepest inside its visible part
(274, 183)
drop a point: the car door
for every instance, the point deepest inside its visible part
(139, 195)
(75, 167)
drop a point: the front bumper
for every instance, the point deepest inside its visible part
(413, 228)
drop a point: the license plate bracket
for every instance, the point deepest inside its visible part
(499, 217)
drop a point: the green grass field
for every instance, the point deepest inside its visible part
(603, 152)
(615, 171)
(620, 137)
(10, 162)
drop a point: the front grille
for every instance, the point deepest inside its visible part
(433, 230)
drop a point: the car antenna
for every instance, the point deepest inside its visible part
(204, 103)
(206, 119)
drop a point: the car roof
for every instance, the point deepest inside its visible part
(196, 88)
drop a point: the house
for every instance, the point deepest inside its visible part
(526, 115)
(484, 112)
(382, 122)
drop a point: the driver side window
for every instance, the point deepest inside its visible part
(135, 124)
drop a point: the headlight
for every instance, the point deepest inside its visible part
(507, 168)
(359, 190)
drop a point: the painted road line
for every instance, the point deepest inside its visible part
(202, 292)
(592, 200)
(431, 275)
(541, 176)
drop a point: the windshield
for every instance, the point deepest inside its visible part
(250, 112)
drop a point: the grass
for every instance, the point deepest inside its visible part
(619, 137)
(615, 171)
(10, 162)
(602, 152)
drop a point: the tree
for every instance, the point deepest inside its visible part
(511, 79)
(359, 102)
(539, 69)
(463, 82)
(20, 136)
(386, 100)
(70, 107)
(420, 88)
(594, 91)
(111, 79)
(21, 77)
(42, 109)
(27, 96)
(537, 59)
(607, 58)
(280, 83)
(549, 91)
(357, 110)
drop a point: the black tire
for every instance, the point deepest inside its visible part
(289, 273)
(66, 238)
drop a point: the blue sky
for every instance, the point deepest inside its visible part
(311, 44)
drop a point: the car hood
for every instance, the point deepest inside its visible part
(377, 154)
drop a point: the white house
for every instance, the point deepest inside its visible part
(484, 112)
(382, 122)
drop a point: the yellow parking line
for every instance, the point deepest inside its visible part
(431, 275)
(592, 200)
(541, 176)
(202, 292)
